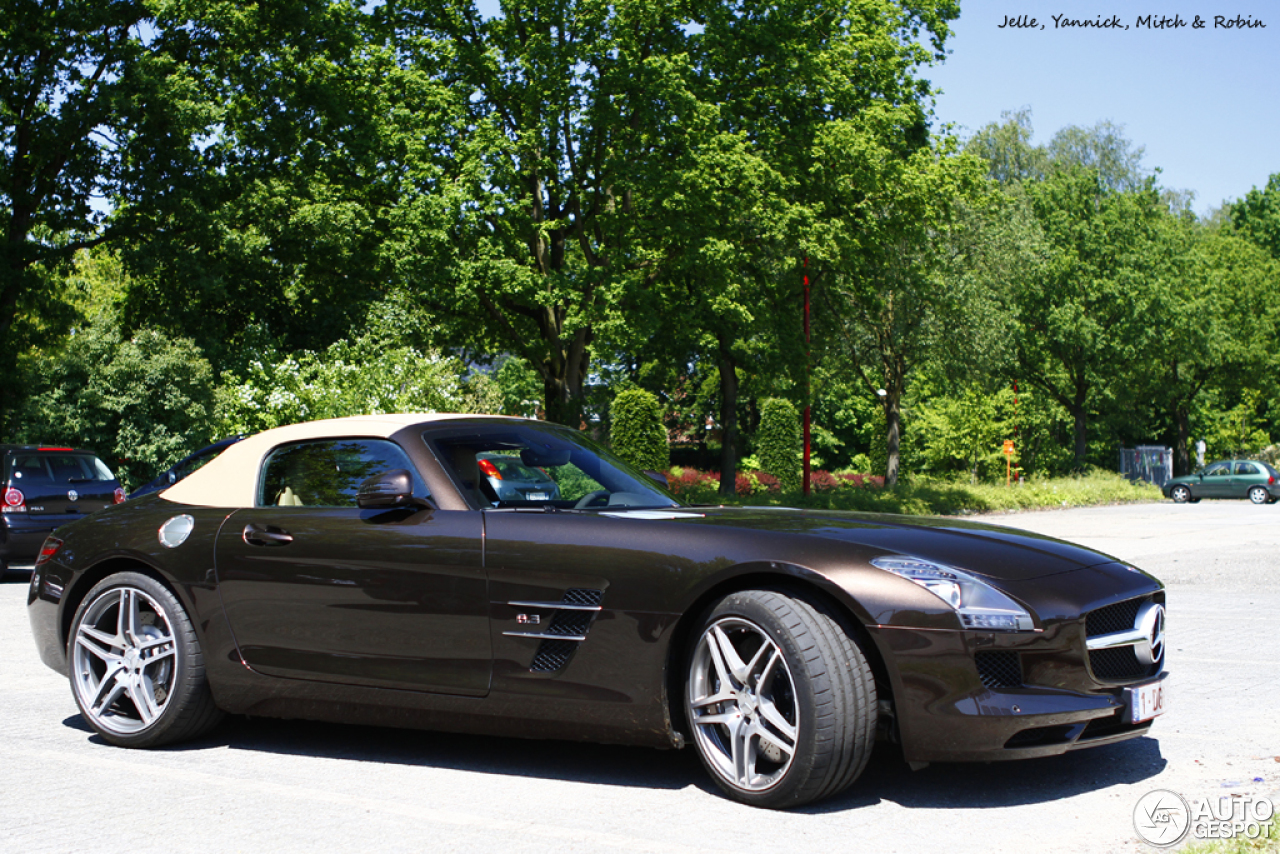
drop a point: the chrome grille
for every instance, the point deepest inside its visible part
(1119, 648)
(1112, 618)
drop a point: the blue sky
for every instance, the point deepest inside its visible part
(1204, 103)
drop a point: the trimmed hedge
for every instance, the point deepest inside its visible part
(638, 435)
(780, 442)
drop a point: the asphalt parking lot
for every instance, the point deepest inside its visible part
(267, 786)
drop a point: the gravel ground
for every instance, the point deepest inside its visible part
(261, 785)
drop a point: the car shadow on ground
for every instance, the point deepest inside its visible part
(887, 778)
(985, 785)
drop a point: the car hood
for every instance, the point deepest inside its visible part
(990, 550)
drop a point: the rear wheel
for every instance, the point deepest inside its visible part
(137, 672)
(1259, 494)
(781, 700)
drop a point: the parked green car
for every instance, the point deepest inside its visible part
(1250, 479)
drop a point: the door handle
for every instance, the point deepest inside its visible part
(266, 535)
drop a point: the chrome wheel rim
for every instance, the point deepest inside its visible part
(124, 660)
(1258, 495)
(742, 705)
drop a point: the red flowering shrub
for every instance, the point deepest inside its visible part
(823, 481)
(767, 482)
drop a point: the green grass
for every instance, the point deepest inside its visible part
(925, 497)
(1267, 843)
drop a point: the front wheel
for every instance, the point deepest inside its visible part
(1180, 494)
(781, 700)
(137, 672)
(1259, 495)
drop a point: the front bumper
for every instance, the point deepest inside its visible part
(945, 713)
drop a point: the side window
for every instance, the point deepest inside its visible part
(1246, 468)
(1218, 470)
(328, 473)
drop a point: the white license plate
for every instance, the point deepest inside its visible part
(1146, 701)
(536, 496)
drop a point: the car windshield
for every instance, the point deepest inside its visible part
(561, 468)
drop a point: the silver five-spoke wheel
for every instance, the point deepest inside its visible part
(779, 697)
(742, 700)
(136, 668)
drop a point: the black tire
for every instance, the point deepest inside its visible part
(815, 697)
(1180, 494)
(135, 665)
(1259, 494)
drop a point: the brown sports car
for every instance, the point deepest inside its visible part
(364, 570)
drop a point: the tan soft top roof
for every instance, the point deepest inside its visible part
(231, 478)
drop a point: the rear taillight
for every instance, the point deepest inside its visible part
(117, 497)
(1271, 480)
(47, 551)
(14, 501)
(489, 469)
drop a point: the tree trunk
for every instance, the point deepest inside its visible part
(728, 420)
(1181, 447)
(1080, 416)
(893, 437)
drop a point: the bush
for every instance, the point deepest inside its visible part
(637, 435)
(780, 443)
(141, 403)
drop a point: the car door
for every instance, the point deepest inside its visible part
(1244, 475)
(316, 588)
(1215, 481)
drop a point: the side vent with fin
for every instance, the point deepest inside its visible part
(570, 621)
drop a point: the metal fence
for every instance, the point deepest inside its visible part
(1152, 463)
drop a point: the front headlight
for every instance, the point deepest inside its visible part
(979, 605)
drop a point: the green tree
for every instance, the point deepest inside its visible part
(1215, 315)
(91, 107)
(1085, 318)
(888, 303)
(142, 402)
(1257, 216)
(637, 434)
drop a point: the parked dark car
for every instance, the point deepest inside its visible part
(1251, 479)
(43, 488)
(184, 467)
(506, 478)
(356, 570)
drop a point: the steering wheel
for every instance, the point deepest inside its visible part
(591, 497)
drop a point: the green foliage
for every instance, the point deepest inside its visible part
(142, 402)
(357, 378)
(965, 431)
(1257, 216)
(520, 387)
(1238, 432)
(638, 435)
(779, 442)
(922, 496)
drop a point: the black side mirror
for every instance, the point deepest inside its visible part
(658, 476)
(387, 490)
